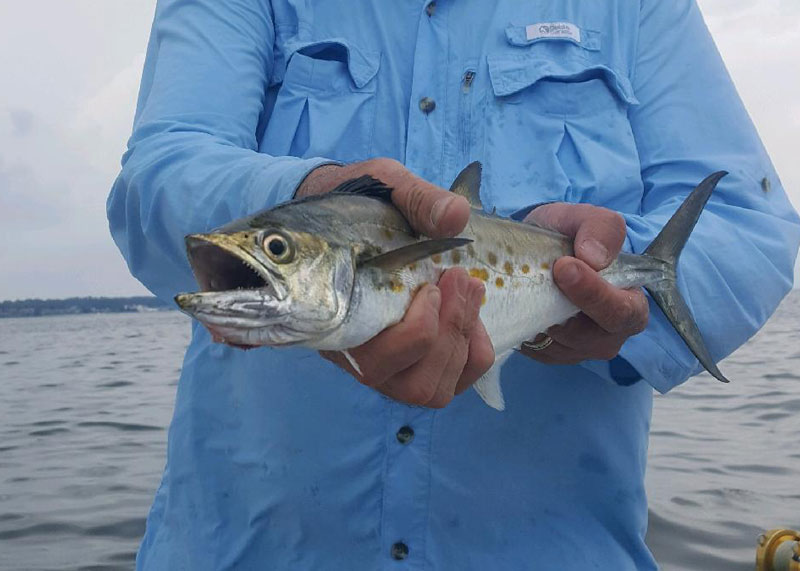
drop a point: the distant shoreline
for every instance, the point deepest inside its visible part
(81, 306)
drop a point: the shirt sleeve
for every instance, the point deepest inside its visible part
(192, 161)
(738, 263)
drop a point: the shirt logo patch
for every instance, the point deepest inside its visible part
(553, 30)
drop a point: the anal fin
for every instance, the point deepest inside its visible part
(488, 386)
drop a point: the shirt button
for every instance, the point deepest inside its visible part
(426, 105)
(430, 9)
(405, 435)
(399, 551)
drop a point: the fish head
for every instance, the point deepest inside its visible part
(274, 285)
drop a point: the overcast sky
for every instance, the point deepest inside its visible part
(68, 88)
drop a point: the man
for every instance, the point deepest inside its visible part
(609, 112)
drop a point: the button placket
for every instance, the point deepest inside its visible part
(425, 131)
(406, 483)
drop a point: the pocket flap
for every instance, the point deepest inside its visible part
(510, 73)
(361, 64)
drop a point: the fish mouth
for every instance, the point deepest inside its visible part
(220, 264)
(240, 301)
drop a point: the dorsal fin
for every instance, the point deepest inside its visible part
(365, 186)
(409, 254)
(468, 184)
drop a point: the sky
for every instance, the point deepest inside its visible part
(68, 85)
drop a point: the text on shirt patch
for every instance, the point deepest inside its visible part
(553, 30)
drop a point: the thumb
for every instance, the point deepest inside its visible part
(431, 210)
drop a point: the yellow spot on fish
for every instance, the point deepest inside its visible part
(508, 268)
(396, 286)
(456, 257)
(499, 282)
(525, 268)
(388, 233)
(412, 266)
(479, 273)
(492, 258)
(545, 266)
(437, 258)
(483, 300)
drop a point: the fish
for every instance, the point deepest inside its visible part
(331, 271)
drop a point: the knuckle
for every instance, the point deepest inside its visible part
(421, 392)
(384, 165)
(415, 201)
(440, 400)
(614, 220)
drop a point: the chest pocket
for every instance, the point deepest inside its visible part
(556, 124)
(325, 103)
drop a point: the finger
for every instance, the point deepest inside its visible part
(613, 309)
(598, 232)
(481, 358)
(586, 337)
(461, 332)
(430, 210)
(420, 383)
(400, 346)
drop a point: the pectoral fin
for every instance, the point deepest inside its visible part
(406, 255)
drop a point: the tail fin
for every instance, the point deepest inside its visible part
(667, 247)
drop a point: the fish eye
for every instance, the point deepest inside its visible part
(277, 248)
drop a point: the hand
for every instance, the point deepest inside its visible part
(440, 348)
(609, 315)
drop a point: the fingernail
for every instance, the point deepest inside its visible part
(439, 208)
(596, 253)
(570, 275)
(434, 298)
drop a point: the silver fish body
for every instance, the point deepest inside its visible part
(331, 272)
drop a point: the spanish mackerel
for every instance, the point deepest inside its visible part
(330, 272)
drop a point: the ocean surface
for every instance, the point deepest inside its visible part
(85, 402)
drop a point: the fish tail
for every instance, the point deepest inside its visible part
(667, 248)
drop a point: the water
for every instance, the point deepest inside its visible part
(85, 401)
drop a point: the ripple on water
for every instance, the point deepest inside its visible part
(11, 517)
(132, 528)
(42, 529)
(125, 426)
(114, 384)
(48, 431)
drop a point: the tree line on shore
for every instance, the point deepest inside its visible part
(79, 305)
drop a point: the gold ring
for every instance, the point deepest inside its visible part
(543, 344)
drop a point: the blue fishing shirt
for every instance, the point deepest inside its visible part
(276, 458)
